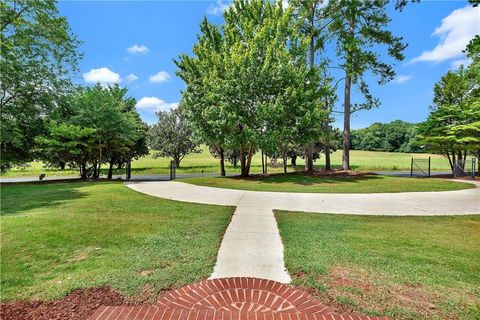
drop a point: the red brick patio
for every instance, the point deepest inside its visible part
(230, 298)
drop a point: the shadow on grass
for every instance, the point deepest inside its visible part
(300, 178)
(18, 198)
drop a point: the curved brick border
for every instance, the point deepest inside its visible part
(243, 295)
(229, 298)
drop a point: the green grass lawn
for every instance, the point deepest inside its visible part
(402, 267)
(204, 162)
(60, 236)
(295, 182)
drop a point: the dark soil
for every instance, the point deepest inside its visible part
(316, 173)
(78, 304)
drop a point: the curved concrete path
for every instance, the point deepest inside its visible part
(252, 247)
(398, 204)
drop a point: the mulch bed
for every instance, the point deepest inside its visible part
(316, 173)
(450, 176)
(78, 304)
(337, 173)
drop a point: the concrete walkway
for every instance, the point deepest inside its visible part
(402, 203)
(252, 246)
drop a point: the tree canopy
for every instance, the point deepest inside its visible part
(100, 125)
(249, 85)
(172, 136)
(38, 56)
(358, 26)
(396, 136)
(453, 125)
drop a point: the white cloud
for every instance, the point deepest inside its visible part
(161, 76)
(103, 75)
(457, 63)
(155, 104)
(138, 49)
(401, 78)
(130, 78)
(455, 31)
(219, 7)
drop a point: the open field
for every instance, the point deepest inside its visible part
(61, 236)
(402, 267)
(294, 182)
(205, 162)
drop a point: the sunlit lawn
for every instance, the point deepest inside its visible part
(402, 267)
(296, 182)
(205, 162)
(61, 236)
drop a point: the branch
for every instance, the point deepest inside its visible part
(15, 17)
(337, 83)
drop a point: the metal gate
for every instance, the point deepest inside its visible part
(420, 167)
(465, 168)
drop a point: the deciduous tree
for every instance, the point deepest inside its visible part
(453, 124)
(172, 136)
(249, 85)
(38, 55)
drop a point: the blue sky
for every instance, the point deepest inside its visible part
(134, 43)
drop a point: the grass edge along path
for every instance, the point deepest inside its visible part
(61, 236)
(297, 182)
(403, 267)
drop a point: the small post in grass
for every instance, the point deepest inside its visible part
(473, 169)
(429, 165)
(411, 168)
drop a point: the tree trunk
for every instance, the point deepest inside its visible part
(94, 175)
(450, 161)
(266, 164)
(83, 170)
(263, 164)
(243, 163)
(346, 124)
(294, 160)
(222, 162)
(110, 170)
(309, 153)
(454, 160)
(478, 163)
(98, 170)
(285, 159)
(328, 165)
(129, 169)
(62, 166)
(309, 158)
(249, 161)
(326, 128)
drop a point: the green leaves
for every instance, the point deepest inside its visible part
(248, 83)
(453, 125)
(172, 136)
(100, 124)
(357, 27)
(38, 56)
